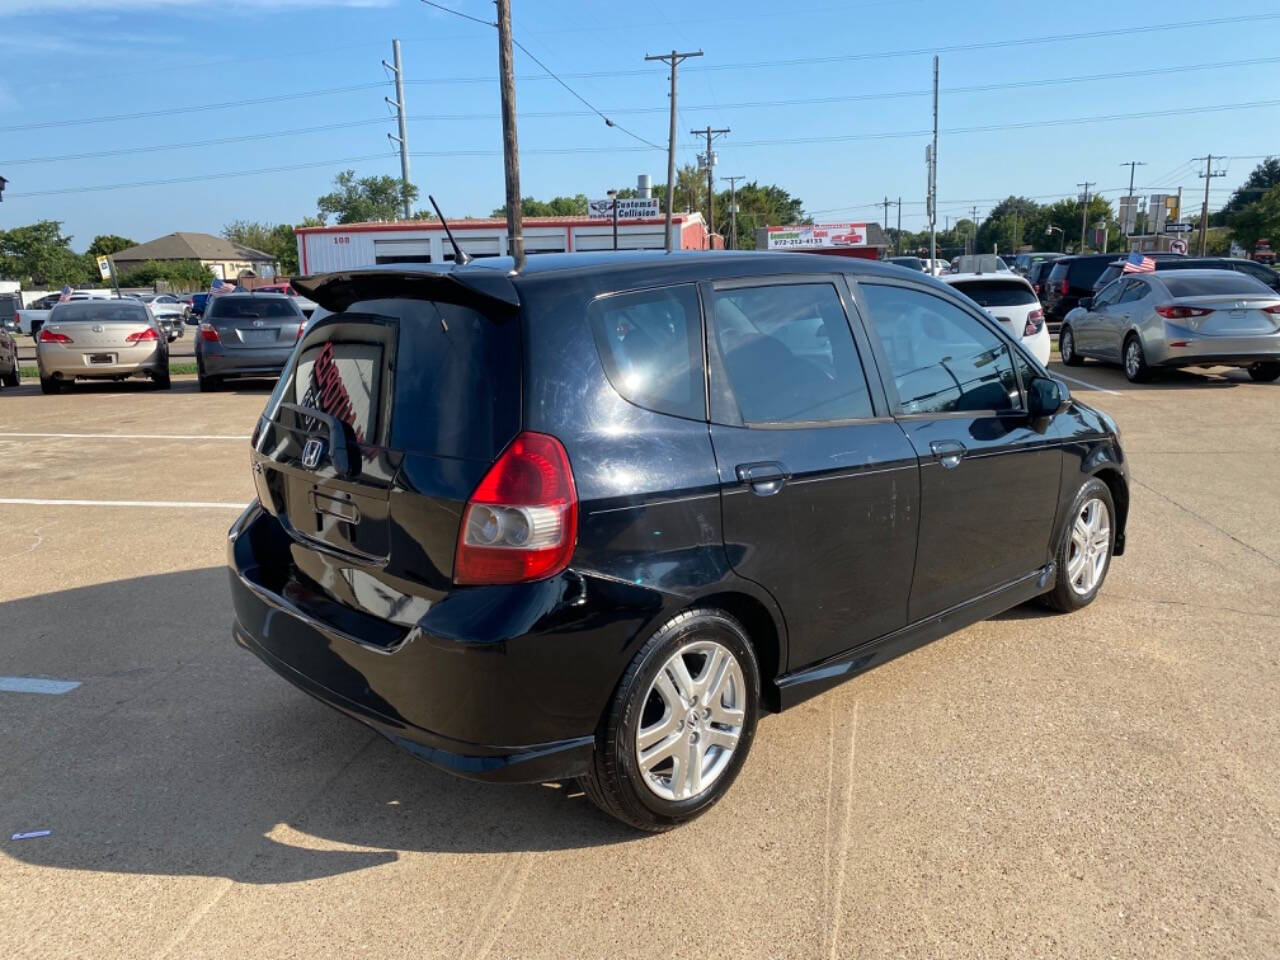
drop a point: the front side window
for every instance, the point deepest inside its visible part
(942, 358)
(1135, 290)
(1109, 294)
(788, 354)
(650, 343)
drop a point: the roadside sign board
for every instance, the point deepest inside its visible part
(104, 268)
(1178, 228)
(636, 208)
(817, 235)
(1177, 246)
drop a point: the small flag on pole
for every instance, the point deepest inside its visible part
(65, 294)
(220, 287)
(1139, 263)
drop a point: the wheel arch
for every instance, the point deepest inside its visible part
(766, 631)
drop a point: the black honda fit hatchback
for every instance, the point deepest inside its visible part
(590, 517)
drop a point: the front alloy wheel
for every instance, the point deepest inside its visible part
(1090, 547)
(1067, 348)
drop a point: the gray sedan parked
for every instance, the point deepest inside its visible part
(1182, 318)
(246, 335)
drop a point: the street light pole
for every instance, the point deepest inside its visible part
(613, 195)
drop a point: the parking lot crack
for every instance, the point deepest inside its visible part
(1205, 520)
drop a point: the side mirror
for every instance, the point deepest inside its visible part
(1047, 397)
(1086, 303)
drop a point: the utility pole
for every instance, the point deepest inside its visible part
(403, 139)
(933, 175)
(1013, 240)
(1132, 165)
(1208, 175)
(674, 58)
(510, 144)
(973, 236)
(897, 247)
(733, 210)
(711, 186)
(1084, 211)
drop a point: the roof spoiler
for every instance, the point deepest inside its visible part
(338, 290)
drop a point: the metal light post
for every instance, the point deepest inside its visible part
(613, 195)
(1050, 230)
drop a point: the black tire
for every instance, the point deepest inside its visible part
(615, 783)
(1265, 372)
(209, 384)
(1064, 596)
(1066, 348)
(1135, 367)
(162, 380)
(14, 377)
(50, 385)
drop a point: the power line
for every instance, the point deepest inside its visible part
(156, 148)
(893, 54)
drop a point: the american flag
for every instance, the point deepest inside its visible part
(1139, 263)
(220, 287)
(65, 294)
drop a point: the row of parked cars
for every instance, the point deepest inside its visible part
(241, 334)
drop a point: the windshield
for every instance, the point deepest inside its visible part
(1219, 284)
(98, 311)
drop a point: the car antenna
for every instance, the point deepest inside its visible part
(459, 255)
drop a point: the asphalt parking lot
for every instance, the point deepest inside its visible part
(1105, 784)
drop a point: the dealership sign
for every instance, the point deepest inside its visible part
(637, 208)
(818, 235)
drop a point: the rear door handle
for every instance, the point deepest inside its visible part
(765, 478)
(948, 452)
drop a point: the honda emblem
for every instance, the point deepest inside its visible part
(257, 323)
(312, 453)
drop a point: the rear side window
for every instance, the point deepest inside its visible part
(942, 358)
(789, 355)
(993, 293)
(650, 343)
(1222, 283)
(1057, 274)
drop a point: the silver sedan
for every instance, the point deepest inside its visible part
(1183, 318)
(100, 340)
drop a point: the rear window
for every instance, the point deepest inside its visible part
(99, 311)
(993, 293)
(454, 380)
(1057, 273)
(8, 305)
(650, 343)
(224, 308)
(1225, 284)
(1085, 271)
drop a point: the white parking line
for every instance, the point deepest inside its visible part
(36, 685)
(1091, 386)
(149, 504)
(128, 436)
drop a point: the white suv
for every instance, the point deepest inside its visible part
(1010, 299)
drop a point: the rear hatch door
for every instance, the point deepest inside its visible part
(385, 420)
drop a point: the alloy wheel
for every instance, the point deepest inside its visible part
(1067, 347)
(1090, 546)
(1132, 359)
(691, 720)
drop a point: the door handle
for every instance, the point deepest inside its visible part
(948, 452)
(765, 478)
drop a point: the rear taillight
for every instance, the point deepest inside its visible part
(1064, 287)
(1035, 320)
(142, 336)
(48, 336)
(522, 521)
(301, 327)
(209, 332)
(1171, 311)
(1274, 310)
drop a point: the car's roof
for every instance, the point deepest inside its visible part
(246, 294)
(497, 279)
(1205, 272)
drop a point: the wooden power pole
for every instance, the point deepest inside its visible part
(510, 143)
(674, 58)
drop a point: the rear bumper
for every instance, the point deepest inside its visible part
(461, 689)
(59, 361)
(243, 363)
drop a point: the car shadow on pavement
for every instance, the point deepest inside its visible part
(1113, 378)
(181, 754)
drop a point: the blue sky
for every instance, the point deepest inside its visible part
(83, 59)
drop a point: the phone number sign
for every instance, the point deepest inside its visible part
(818, 235)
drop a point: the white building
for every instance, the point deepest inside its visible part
(343, 246)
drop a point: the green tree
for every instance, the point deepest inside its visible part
(40, 255)
(368, 198)
(106, 244)
(1263, 177)
(278, 240)
(759, 205)
(575, 206)
(179, 274)
(1258, 220)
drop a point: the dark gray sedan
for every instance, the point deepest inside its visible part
(1183, 318)
(246, 335)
